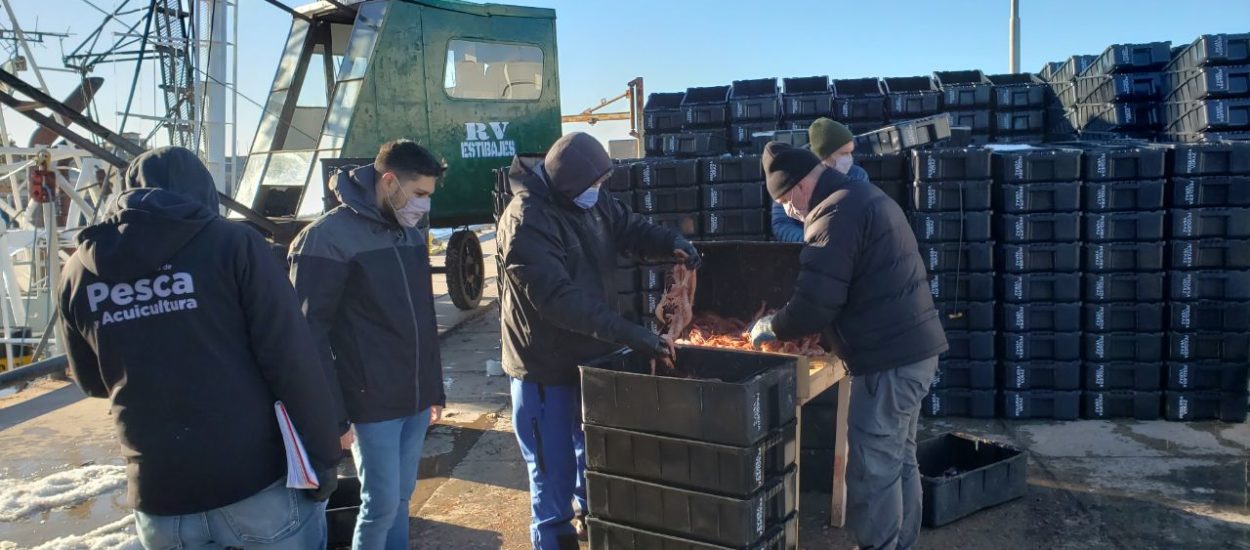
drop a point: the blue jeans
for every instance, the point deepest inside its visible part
(387, 457)
(548, 424)
(276, 518)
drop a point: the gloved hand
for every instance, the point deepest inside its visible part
(647, 343)
(762, 331)
(687, 253)
(329, 479)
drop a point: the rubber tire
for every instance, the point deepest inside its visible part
(466, 270)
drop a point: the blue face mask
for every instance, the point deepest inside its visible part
(588, 198)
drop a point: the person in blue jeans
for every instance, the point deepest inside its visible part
(362, 273)
(834, 145)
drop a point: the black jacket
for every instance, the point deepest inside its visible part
(186, 321)
(558, 264)
(862, 276)
(364, 284)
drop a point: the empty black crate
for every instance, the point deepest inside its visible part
(1041, 316)
(1211, 191)
(854, 109)
(1073, 67)
(1124, 195)
(913, 104)
(1208, 114)
(752, 100)
(1102, 227)
(961, 474)
(606, 535)
(735, 222)
(1040, 257)
(964, 89)
(1057, 405)
(1209, 83)
(962, 163)
(1037, 165)
(1110, 257)
(1204, 346)
(962, 286)
(1213, 49)
(731, 169)
(701, 516)
(1124, 376)
(1139, 405)
(1209, 315)
(1041, 287)
(1124, 317)
(965, 374)
(743, 134)
(959, 402)
(1041, 346)
(905, 135)
(1041, 375)
(1122, 58)
(1123, 163)
(1117, 117)
(1198, 405)
(1211, 159)
(665, 173)
(1018, 91)
(751, 394)
(968, 257)
(1201, 223)
(1123, 346)
(696, 144)
(1046, 227)
(951, 226)
(1020, 122)
(979, 121)
(961, 315)
(1209, 285)
(958, 196)
(670, 199)
(685, 223)
(1121, 87)
(691, 464)
(735, 195)
(1123, 287)
(971, 346)
(806, 97)
(1039, 197)
(1210, 254)
(1208, 375)
(706, 107)
(662, 113)
(890, 166)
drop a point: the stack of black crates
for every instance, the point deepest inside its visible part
(1120, 92)
(1208, 89)
(1062, 79)
(951, 216)
(1038, 231)
(754, 107)
(968, 96)
(1209, 285)
(803, 100)
(860, 103)
(1123, 318)
(1019, 108)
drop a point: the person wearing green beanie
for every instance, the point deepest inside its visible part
(833, 143)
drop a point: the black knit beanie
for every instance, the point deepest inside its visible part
(784, 166)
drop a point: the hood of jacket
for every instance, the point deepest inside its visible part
(357, 189)
(145, 229)
(173, 169)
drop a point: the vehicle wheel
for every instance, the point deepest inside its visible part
(466, 273)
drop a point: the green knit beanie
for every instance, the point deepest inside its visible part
(828, 135)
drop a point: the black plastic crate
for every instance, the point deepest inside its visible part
(969, 346)
(662, 112)
(978, 121)
(961, 315)
(1112, 117)
(696, 144)
(1211, 191)
(1041, 346)
(752, 394)
(962, 287)
(1048, 70)
(649, 301)
(605, 535)
(904, 105)
(1124, 376)
(1042, 227)
(742, 134)
(1026, 139)
(951, 164)
(806, 97)
(890, 166)
(651, 277)
(966, 257)
(1123, 58)
(1209, 285)
(1201, 223)
(725, 196)
(1139, 405)
(965, 374)
(1039, 197)
(1124, 317)
(1041, 316)
(686, 223)
(1123, 346)
(1105, 227)
(731, 169)
(859, 87)
(1208, 376)
(1205, 137)
(754, 100)
(1211, 159)
(653, 144)
(1209, 254)
(1213, 49)
(1208, 115)
(899, 191)
(1073, 67)
(706, 107)
(626, 303)
(1208, 346)
(661, 200)
(1124, 256)
(1124, 195)
(1197, 405)
(1018, 91)
(951, 226)
(665, 173)
(1033, 165)
(1056, 405)
(1040, 287)
(961, 474)
(1209, 83)
(962, 402)
(691, 464)
(1020, 122)
(964, 89)
(753, 221)
(1041, 375)
(1121, 87)
(853, 110)
(1040, 257)
(905, 135)
(706, 517)
(1123, 287)
(1209, 315)
(952, 196)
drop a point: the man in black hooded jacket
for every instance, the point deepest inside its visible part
(560, 238)
(185, 320)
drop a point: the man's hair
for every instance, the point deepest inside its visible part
(408, 160)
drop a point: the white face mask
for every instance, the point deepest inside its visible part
(410, 214)
(843, 164)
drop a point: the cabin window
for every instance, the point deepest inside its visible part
(493, 71)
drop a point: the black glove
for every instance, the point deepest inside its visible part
(693, 259)
(647, 343)
(329, 479)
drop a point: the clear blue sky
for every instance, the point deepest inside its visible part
(675, 44)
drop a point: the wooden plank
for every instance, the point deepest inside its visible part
(840, 455)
